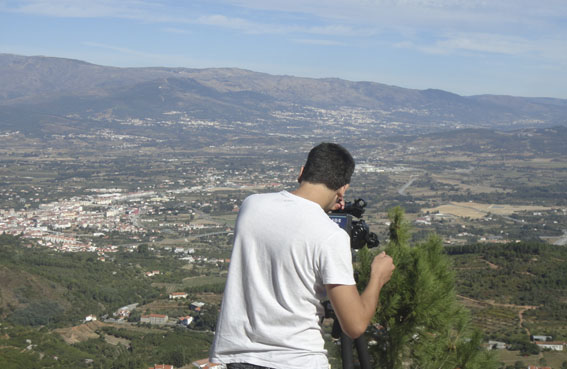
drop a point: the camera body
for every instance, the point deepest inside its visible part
(358, 230)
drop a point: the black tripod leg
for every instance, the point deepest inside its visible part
(346, 351)
(362, 350)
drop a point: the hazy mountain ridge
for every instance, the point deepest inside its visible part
(64, 86)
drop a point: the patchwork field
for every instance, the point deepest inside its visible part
(475, 210)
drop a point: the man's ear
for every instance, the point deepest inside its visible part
(300, 177)
(343, 190)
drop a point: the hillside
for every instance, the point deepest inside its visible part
(510, 282)
(36, 88)
(42, 287)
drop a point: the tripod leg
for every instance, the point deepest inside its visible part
(362, 350)
(346, 351)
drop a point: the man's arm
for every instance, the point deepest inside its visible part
(355, 310)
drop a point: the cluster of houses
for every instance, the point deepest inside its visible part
(99, 213)
(158, 319)
(545, 343)
(47, 222)
(125, 311)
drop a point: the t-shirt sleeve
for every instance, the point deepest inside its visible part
(335, 260)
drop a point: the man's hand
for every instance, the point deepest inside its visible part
(339, 205)
(339, 201)
(382, 268)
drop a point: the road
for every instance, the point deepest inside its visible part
(402, 190)
(209, 234)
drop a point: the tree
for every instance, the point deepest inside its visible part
(424, 324)
(175, 357)
(143, 249)
(207, 319)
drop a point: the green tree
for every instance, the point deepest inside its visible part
(207, 319)
(143, 249)
(424, 324)
(175, 357)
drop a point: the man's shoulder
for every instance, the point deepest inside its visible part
(261, 197)
(265, 195)
(257, 201)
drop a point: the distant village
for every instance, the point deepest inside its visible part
(75, 224)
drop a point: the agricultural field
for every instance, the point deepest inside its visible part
(474, 210)
(547, 359)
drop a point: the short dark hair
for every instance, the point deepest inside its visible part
(329, 164)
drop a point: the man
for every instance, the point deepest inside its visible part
(287, 257)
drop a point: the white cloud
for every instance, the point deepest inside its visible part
(337, 30)
(482, 42)
(499, 16)
(177, 30)
(485, 43)
(319, 42)
(507, 27)
(122, 50)
(219, 20)
(364, 13)
(133, 9)
(226, 22)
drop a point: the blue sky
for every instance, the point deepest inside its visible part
(469, 47)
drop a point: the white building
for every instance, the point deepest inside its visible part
(553, 346)
(177, 295)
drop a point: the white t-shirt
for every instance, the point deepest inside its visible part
(286, 249)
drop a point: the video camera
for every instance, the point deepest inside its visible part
(358, 230)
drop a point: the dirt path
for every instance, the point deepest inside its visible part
(491, 265)
(521, 317)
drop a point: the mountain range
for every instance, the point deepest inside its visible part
(36, 87)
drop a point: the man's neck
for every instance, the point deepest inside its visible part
(316, 192)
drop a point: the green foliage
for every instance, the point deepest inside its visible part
(143, 249)
(7, 240)
(207, 319)
(425, 325)
(177, 347)
(211, 287)
(399, 228)
(364, 258)
(525, 273)
(86, 286)
(38, 313)
(24, 347)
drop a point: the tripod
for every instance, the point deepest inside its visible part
(347, 343)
